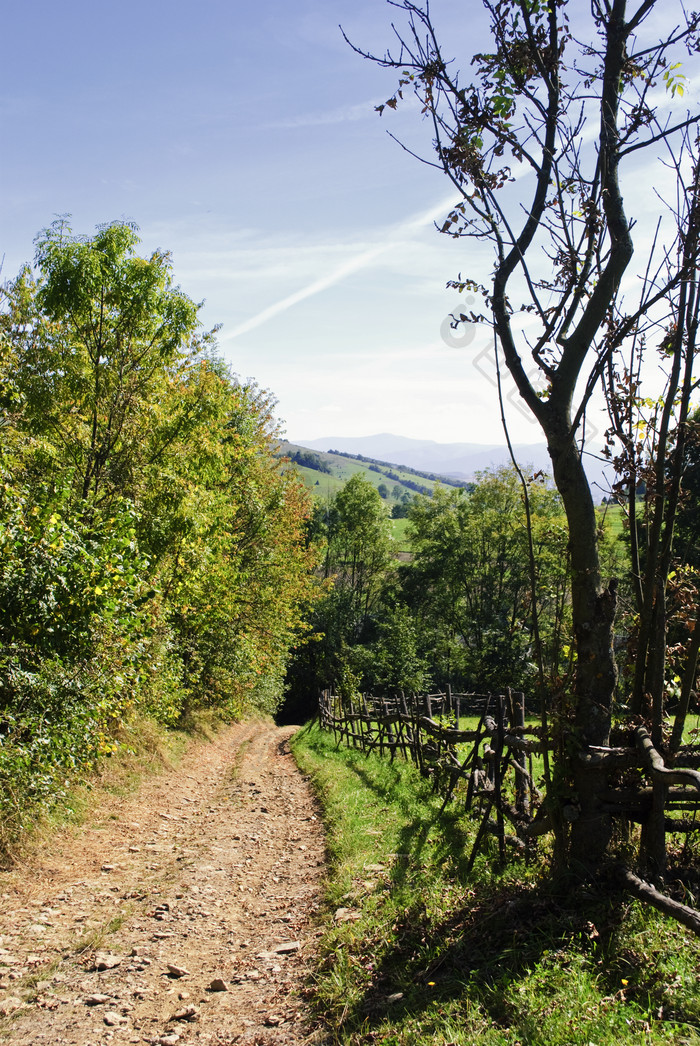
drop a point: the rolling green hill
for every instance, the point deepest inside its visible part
(325, 472)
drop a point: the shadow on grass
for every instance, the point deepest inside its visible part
(489, 946)
(485, 949)
(446, 837)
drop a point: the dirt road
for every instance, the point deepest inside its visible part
(183, 914)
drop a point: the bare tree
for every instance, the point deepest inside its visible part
(542, 139)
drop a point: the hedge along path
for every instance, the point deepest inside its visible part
(183, 914)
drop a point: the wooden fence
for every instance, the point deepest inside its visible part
(490, 768)
(495, 759)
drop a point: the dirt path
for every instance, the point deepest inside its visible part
(181, 915)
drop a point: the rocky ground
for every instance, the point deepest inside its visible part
(182, 914)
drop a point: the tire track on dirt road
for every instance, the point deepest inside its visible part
(184, 914)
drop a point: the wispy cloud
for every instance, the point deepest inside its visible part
(395, 235)
(343, 114)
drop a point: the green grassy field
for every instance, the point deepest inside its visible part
(344, 466)
(321, 484)
(613, 517)
(324, 484)
(398, 532)
(415, 951)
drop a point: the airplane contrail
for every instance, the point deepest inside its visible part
(399, 233)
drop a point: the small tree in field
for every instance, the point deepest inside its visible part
(543, 139)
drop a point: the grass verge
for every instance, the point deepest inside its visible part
(414, 952)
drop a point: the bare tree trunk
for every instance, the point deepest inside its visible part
(593, 608)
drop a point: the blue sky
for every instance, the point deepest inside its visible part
(242, 137)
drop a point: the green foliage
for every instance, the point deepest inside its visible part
(674, 80)
(98, 338)
(152, 550)
(469, 582)
(57, 572)
(357, 556)
(310, 460)
(393, 662)
(353, 532)
(400, 510)
(359, 548)
(459, 610)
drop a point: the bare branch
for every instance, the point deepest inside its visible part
(682, 913)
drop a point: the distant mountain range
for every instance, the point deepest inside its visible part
(461, 460)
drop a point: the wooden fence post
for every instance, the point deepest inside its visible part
(517, 702)
(497, 779)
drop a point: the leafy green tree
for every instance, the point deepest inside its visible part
(99, 335)
(153, 554)
(575, 114)
(357, 559)
(469, 581)
(400, 510)
(393, 663)
(359, 552)
(239, 572)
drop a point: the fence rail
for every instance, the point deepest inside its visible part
(495, 759)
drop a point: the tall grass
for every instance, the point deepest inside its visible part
(415, 951)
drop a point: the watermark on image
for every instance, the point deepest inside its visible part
(459, 331)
